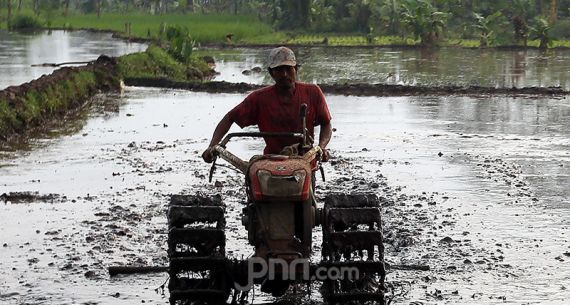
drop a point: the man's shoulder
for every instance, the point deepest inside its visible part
(313, 91)
(308, 86)
(262, 91)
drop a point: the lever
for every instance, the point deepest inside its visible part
(304, 122)
(212, 169)
(303, 110)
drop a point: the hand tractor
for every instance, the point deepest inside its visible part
(279, 215)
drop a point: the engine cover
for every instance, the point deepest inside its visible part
(277, 178)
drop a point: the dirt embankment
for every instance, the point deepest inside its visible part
(31, 105)
(355, 89)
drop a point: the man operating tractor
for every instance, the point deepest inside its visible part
(276, 108)
(280, 210)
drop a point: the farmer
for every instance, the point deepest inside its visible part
(277, 108)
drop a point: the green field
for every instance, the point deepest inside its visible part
(214, 29)
(203, 28)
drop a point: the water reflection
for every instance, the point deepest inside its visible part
(19, 51)
(445, 66)
(532, 133)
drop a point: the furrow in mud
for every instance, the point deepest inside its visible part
(357, 89)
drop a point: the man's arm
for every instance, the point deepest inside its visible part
(324, 138)
(223, 127)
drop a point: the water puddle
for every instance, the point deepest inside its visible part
(424, 67)
(18, 52)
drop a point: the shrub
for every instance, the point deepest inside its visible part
(180, 43)
(561, 30)
(26, 22)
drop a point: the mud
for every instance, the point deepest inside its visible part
(464, 221)
(393, 46)
(29, 197)
(358, 89)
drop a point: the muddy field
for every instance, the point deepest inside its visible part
(464, 222)
(473, 183)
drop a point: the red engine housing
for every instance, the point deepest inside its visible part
(276, 178)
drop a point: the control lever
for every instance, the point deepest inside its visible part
(212, 169)
(304, 121)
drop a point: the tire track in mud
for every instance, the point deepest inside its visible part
(417, 230)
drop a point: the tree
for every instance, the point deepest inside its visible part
(360, 12)
(540, 30)
(521, 30)
(485, 27)
(390, 13)
(425, 21)
(553, 11)
(66, 8)
(9, 12)
(322, 15)
(36, 7)
(296, 14)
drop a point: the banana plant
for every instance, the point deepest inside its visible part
(485, 26)
(540, 30)
(424, 20)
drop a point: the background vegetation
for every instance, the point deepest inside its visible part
(428, 22)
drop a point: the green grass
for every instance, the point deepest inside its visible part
(561, 43)
(212, 28)
(349, 40)
(44, 102)
(270, 38)
(157, 63)
(203, 28)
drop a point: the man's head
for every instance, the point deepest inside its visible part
(283, 67)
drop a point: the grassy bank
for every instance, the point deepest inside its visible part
(157, 63)
(360, 40)
(214, 29)
(31, 105)
(203, 28)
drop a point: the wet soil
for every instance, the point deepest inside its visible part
(464, 221)
(357, 89)
(28, 197)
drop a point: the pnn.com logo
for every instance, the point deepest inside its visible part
(280, 269)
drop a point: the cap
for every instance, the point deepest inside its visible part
(281, 56)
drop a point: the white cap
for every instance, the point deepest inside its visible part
(281, 56)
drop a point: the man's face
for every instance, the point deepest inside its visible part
(284, 76)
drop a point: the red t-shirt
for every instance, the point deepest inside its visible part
(266, 109)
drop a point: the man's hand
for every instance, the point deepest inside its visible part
(325, 157)
(208, 154)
